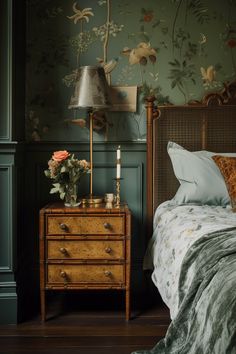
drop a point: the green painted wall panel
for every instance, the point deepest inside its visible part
(132, 190)
(8, 308)
(5, 70)
(5, 219)
(8, 224)
(8, 297)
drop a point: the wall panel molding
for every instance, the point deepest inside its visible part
(6, 224)
(6, 70)
(8, 295)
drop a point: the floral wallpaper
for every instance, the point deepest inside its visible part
(175, 49)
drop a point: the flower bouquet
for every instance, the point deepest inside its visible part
(66, 170)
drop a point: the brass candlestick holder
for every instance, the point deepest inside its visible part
(117, 203)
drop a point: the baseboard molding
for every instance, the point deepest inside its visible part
(8, 308)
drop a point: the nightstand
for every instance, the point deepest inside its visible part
(84, 248)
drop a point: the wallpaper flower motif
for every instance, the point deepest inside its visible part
(175, 49)
(209, 76)
(81, 14)
(140, 54)
(84, 39)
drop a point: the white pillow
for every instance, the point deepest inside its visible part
(201, 181)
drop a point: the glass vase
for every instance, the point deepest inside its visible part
(71, 196)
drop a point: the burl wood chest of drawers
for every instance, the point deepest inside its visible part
(84, 248)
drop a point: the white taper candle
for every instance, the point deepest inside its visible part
(118, 153)
(118, 164)
(118, 170)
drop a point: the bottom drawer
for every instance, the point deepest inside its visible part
(89, 273)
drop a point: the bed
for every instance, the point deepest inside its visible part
(191, 221)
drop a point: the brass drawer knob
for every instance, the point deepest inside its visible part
(108, 273)
(63, 250)
(108, 249)
(63, 274)
(63, 227)
(107, 225)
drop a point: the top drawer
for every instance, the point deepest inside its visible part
(85, 224)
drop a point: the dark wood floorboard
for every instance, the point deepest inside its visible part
(86, 332)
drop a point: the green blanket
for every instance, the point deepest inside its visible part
(206, 320)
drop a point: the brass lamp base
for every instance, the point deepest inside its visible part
(92, 199)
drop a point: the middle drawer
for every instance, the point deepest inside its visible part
(85, 249)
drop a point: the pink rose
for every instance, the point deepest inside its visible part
(60, 155)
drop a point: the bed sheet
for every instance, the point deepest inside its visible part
(176, 229)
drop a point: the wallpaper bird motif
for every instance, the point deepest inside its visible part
(175, 49)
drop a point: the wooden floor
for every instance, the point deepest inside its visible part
(82, 330)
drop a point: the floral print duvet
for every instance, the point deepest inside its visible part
(193, 257)
(176, 228)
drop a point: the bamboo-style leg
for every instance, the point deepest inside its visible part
(42, 304)
(127, 304)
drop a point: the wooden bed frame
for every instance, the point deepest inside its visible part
(209, 124)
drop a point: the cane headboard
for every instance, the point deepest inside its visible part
(206, 125)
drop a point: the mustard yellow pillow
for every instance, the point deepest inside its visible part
(227, 166)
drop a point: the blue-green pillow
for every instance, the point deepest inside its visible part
(200, 179)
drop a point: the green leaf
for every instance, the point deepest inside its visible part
(175, 63)
(54, 190)
(62, 196)
(47, 173)
(173, 84)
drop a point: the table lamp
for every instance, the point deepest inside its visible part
(91, 92)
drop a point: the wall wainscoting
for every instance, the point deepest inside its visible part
(35, 194)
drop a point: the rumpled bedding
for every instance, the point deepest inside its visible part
(193, 257)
